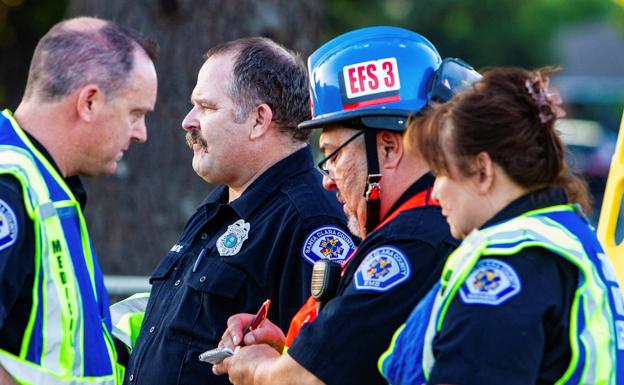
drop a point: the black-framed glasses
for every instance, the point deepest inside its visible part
(322, 165)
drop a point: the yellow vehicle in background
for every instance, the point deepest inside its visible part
(609, 213)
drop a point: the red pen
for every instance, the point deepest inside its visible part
(255, 323)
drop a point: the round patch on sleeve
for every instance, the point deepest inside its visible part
(8, 225)
(382, 269)
(327, 242)
(491, 282)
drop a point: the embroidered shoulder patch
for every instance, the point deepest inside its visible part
(382, 269)
(8, 225)
(491, 282)
(327, 242)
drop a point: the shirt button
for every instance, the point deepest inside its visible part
(202, 279)
(131, 377)
(177, 283)
(152, 329)
(204, 236)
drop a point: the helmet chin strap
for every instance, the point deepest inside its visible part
(373, 189)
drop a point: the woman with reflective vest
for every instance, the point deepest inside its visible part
(529, 297)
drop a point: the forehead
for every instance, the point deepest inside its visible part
(214, 75)
(335, 134)
(142, 83)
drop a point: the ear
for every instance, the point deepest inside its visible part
(485, 172)
(88, 102)
(262, 119)
(389, 149)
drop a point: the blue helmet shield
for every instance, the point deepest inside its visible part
(375, 77)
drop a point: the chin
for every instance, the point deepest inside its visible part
(456, 233)
(354, 226)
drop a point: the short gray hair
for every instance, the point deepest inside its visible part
(66, 59)
(266, 72)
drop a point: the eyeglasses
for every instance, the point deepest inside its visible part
(322, 165)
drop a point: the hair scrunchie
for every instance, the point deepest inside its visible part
(547, 100)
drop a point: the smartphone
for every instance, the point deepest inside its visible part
(216, 356)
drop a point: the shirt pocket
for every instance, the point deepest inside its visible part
(164, 269)
(157, 279)
(210, 297)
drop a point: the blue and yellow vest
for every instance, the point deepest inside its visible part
(597, 313)
(67, 339)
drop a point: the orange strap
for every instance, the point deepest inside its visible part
(307, 313)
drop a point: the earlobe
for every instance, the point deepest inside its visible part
(263, 116)
(87, 102)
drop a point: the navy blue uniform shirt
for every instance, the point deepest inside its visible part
(524, 340)
(231, 258)
(17, 255)
(391, 271)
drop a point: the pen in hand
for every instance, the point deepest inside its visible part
(255, 323)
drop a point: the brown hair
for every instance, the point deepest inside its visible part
(266, 72)
(501, 116)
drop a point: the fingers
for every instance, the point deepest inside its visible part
(269, 334)
(222, 368)
(235, 329)
(233, 335)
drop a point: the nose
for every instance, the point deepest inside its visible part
(190, 122)
(329, 183)
(139, 132)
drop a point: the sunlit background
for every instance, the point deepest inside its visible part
(583, 37)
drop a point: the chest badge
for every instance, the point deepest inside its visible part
(230, 242)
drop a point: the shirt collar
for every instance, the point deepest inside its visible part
(73, 182)
(545, 197)
(422, 184)
(296, 163)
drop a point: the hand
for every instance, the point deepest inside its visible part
(243, 367)
(268, 333)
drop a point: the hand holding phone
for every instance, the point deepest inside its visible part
(216, 356)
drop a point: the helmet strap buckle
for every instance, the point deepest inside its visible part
(373, 188)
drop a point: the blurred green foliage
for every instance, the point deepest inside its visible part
(483, 32)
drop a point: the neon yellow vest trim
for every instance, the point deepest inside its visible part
(127, 317)
(61, 360)
(534, 230)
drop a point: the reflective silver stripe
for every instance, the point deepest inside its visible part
(15, 159)
(24, 371)
(78, 367)
(62, 324)
(134, 304)
(121, 310)
(51, 322)
(12, 159)
(122, 336)
(47, 210)
(545, 231)
(509, 238)
(461, 259)
(591, 354)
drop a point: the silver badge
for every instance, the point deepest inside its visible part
(232, 240)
